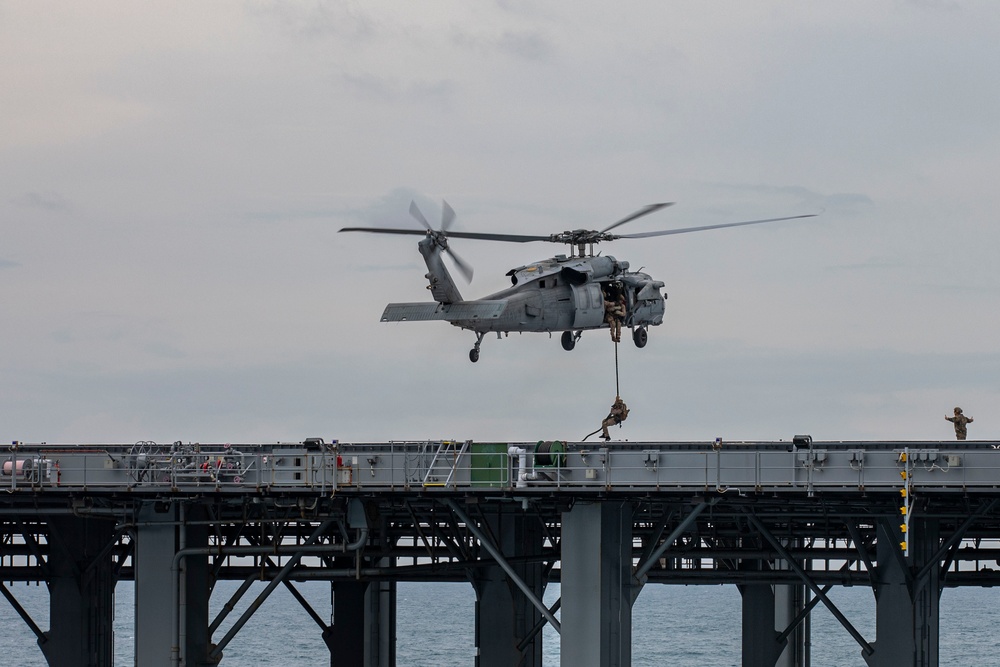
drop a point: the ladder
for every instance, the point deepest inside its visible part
(441, 471)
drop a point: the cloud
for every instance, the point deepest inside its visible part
(527, 45)
(48, 201)
(316, 21)
(395, 91)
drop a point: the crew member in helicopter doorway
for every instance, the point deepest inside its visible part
(614, 311)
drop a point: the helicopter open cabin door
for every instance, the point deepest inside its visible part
(589, 302)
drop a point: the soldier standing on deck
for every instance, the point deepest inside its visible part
(959, 420)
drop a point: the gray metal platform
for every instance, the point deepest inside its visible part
(785, 521)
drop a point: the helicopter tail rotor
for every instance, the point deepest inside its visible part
(415, 212)
(441, 236)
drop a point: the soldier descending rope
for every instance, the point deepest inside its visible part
(619, 411)
(618, 414)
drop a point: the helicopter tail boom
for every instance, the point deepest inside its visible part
(452, 312)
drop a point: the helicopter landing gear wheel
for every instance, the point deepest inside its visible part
(639, 337)
(569, 339)
(474, 352)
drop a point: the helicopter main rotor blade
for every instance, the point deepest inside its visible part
(384, 230)
(512, 238)
(666, 232)
(646, 210)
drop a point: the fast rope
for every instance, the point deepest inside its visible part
(617, 387)
(618, 392)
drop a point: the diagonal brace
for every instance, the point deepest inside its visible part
(956, 537)
(502, 562)
(667, 543)
(867, 648)
(25, 616)
(216, 652)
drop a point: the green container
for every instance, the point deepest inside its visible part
(489, 464)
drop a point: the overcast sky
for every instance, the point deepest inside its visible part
(173, 176)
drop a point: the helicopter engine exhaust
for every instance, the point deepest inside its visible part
(593, 268)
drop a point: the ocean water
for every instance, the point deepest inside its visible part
(681, 626)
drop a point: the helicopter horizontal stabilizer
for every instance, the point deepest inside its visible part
(451, 312)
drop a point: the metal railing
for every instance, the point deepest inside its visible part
(470, 466)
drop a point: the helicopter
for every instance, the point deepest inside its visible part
(564, 293)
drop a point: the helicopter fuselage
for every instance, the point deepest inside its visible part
(559, 294)
(568, 294)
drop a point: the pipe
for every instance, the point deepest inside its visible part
(61, 511)
(522, 465)
(297, 550)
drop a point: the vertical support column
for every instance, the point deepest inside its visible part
(158, 538)
(363, 631)
(759, 646)
(596, 585)
(155, 546)
(504, 615)
(380, 622)
(197, 591)
(760, 639)
(81, 593)
(788, 602)
(894, 643)
(925, 542)
(346, 635)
